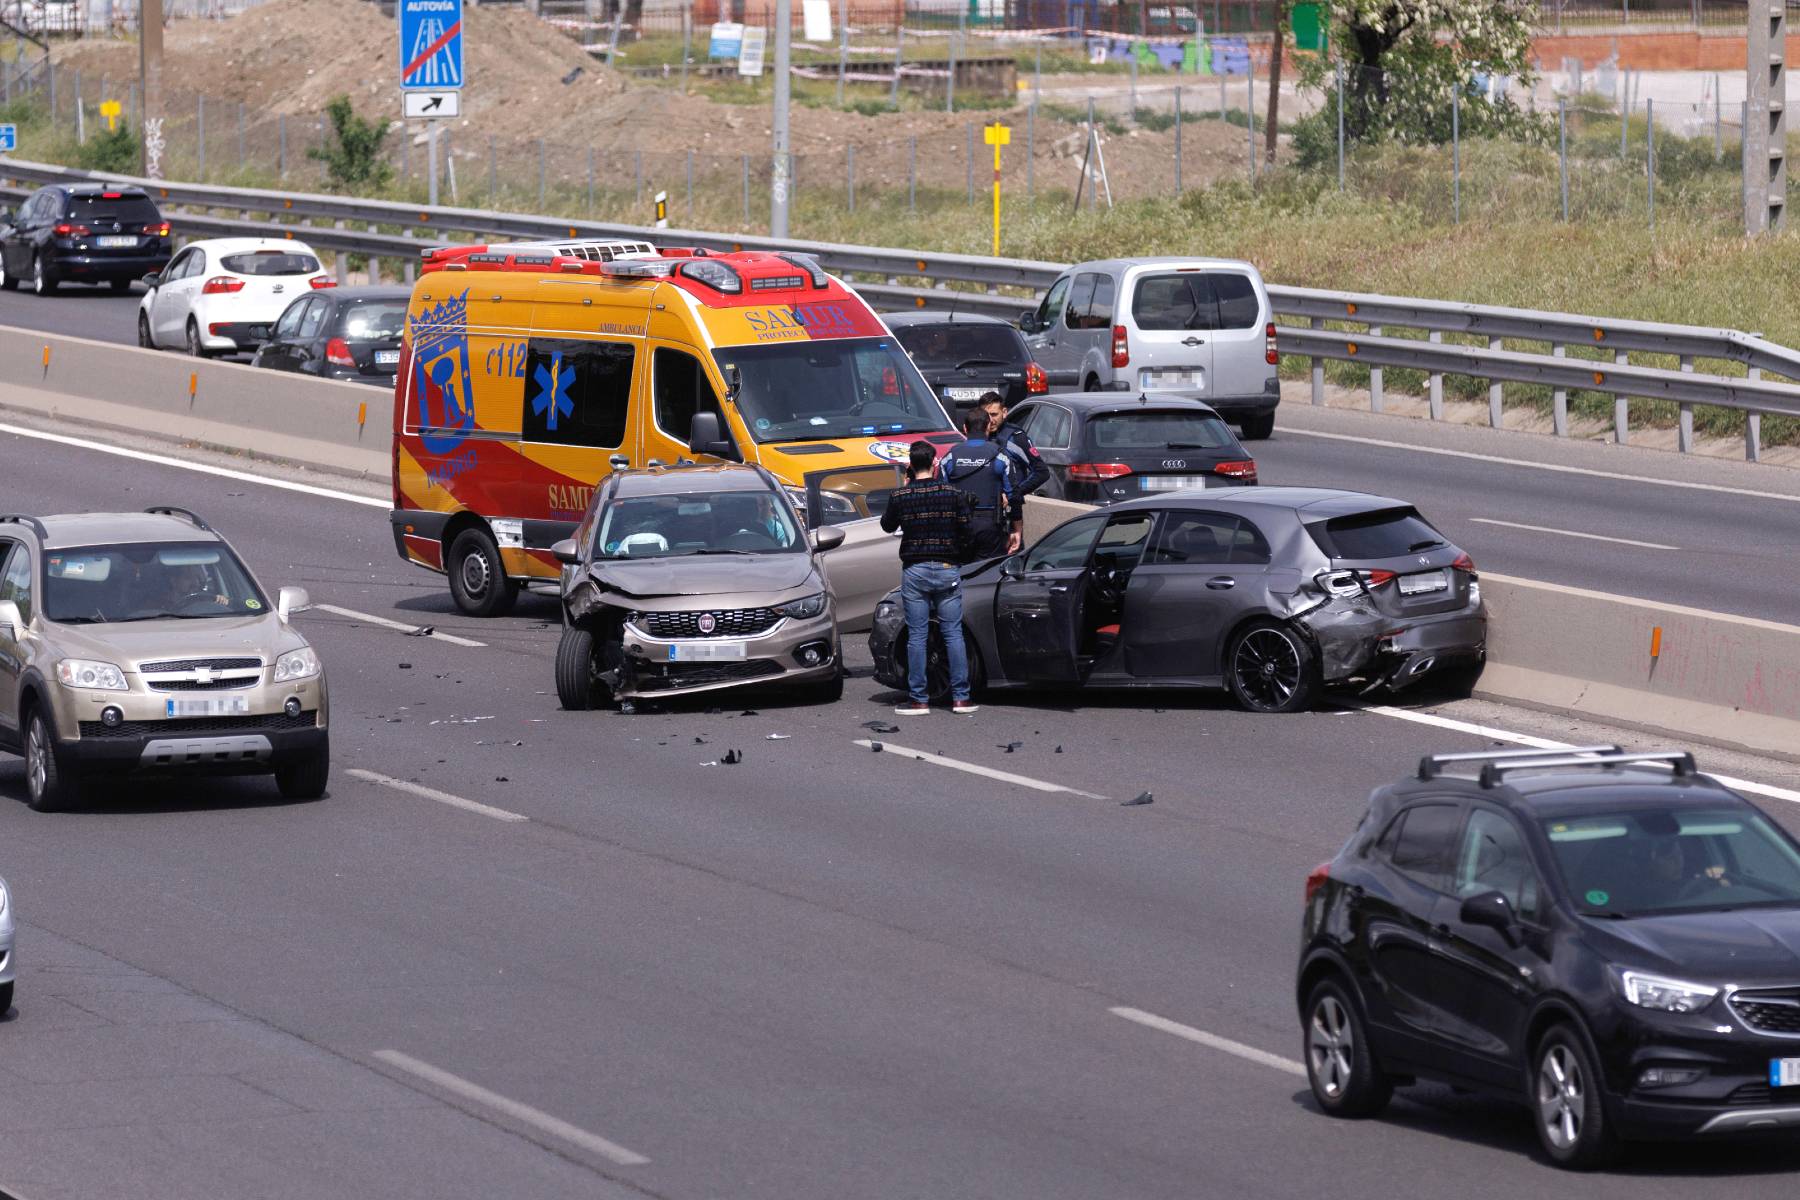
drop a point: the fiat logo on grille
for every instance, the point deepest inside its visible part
(708, 622)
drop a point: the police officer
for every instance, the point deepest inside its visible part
(979, 468)
(1029, 472)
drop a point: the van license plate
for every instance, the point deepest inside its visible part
(387, 358)
(1174, 379)
(707, 652)
(208, 706)
(1784, 1072)
(115, 243)
(1423, 583)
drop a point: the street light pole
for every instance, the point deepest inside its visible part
(150, 62)
(779, 178)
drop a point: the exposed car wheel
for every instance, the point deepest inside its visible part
(1340, 1061)
(937, 666)
(47, 786)
(6, 990)
(120, 286)
(43, 282)
(1565, 1093)
(145, 338)
(1091, 384)
(477, 577)
(1270, 668)
(578, 683)
(194, 347)
(305, 780)
(1257, 428)
(828, 692)
(8, 281)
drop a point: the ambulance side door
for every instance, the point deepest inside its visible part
(680, 386)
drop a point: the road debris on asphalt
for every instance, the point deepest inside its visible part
(421, 631)
(1140, 798)
(733, 757)
(880, 727)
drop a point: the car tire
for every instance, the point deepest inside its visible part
(1271, 668)
(195, 348)
(120, 286)
(578, 684)
(829, 691)
(1257, 428)
(1567, 1109)
(43, 280)
(937, 666)
(1346, 1079)
(478, 579)
(6, 995)
(8, 280)
(48, 787)
(306, 779)
(1091, 384)
(146, 339)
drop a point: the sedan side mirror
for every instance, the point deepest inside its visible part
(153, 280)
(290, 600)
(1493, 910)
(705, 436)
(12, 621)
(828, 538)
(567, 552)
(1012, 568)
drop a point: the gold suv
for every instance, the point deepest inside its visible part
(140, 642)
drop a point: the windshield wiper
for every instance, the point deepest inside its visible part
(1427, 544)
(169, 616)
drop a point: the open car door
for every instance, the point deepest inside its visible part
(867, 566)
(1039, 607)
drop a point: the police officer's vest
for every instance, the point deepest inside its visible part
(972, 471)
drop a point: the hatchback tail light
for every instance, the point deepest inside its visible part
(1270, 354)
(1315, 879)
(67, 230)
(337, 353)
(1245, 470)
(158, 230)
(1036, 382)
(1376, 578)
(1463, 563)
(1121, 356)
(220, 285)
(322, 281)
(1095, 472)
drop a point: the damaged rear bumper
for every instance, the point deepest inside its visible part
(1358, 642)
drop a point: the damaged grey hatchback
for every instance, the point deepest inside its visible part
(1274, 593)
(694, 578)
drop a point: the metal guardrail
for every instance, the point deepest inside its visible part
(972, 283)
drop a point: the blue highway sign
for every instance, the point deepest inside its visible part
(431, 45)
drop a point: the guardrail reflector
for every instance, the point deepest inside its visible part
(1599, 376)
(46, 356)
(1350, 346)
(1655, 641)
(1350, 309)
(1599, 335)
(362, 414)
(193, 383)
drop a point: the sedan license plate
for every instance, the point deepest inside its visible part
(707, 652)
(115, 243)
(387, 358)
(208, 706)
(1423, 583)
(965, 395)
(1171, 483)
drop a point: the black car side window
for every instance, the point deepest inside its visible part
(1081, 298)
(1492, 858)
(1427, 844)
(1052, 307)
(289, 324)
(1208, 537)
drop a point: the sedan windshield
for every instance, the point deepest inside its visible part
(853, 387)
(1656, 862)
(147, 581)
(1158, 431)
(970, 344)
(711, 523)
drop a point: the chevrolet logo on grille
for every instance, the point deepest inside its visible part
(203, 675)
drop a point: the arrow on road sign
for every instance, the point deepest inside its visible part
(431, 104)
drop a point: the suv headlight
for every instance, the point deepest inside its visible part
(296, 664)
(83, 673)
(807, 606)
(1665, 995)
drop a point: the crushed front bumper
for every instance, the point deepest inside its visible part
(793, 652)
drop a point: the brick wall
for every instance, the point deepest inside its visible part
(1690, 51)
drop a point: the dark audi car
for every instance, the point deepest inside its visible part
(1101, 448)
(82, 233)
(965, 356)
(1609, 937)
(1273, 593)
(352, 334)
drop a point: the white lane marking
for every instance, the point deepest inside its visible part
(1538, 743)
(525, 1114)
(419, 789)
(1544, 466)
(402, 626)
(1211, 1040)
(1593, 537)
(164, 460)
(975, 769)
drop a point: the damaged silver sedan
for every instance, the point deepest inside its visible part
(691, 579)
(1273, 593)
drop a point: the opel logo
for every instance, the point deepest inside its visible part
(1174, 463)
(708, 622)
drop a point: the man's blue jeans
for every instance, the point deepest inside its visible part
(925, 589)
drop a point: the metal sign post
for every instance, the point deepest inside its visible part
(431, 65)
(997, 135)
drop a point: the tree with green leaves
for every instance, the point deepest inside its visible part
(352, 154)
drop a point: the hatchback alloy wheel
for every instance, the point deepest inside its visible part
(1268, 666)
(1331, 1045)
(1561, 1097)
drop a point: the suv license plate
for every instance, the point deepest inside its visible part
(707, 652)
(387, 358)
(1784, 1072)
(209, 706)
(114, 243)
(1425, 581)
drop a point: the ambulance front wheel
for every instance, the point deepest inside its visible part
(477, 578)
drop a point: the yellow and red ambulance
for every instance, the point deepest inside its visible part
(529, 372)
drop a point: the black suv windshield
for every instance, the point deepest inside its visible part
(702, 523)
(952, 345)
(147, 581)
(853, 387)
(1662, 861)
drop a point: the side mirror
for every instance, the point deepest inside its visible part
(12, 621)
(828, 538)
(705, 436)
(153, 280)
(1028, 321)
(6, 216)
(1493, 910)
(1012, 568)
(290, 599)
(566, 552)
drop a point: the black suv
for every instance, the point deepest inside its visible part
(82, 233)
(1610, 937)
(964, 356)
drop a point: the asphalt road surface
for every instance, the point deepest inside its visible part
(531, 953)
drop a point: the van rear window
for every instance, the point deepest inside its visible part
(1384, 533)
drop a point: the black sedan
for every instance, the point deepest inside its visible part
(82, 233)
(1610, 938)
(352, 334)
(1102, 447)
(1272, 593)
(965, 356)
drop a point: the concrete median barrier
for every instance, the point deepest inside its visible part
(337, 427)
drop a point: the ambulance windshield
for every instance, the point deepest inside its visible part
(853, 387)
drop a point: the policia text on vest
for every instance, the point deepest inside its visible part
(979, 468)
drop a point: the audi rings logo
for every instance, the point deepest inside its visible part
(708, 622)
(1174, 464)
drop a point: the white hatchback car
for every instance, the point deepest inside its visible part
(222, 295)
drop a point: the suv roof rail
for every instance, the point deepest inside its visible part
(1432, 765)
(169, 510)
(32, 523)
(1681, 760)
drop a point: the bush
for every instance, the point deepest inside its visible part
(110, 150)
(352, 155)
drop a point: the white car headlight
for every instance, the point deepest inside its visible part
(83, 673)
(296, 664)
(806, 606)
(1665, 995)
